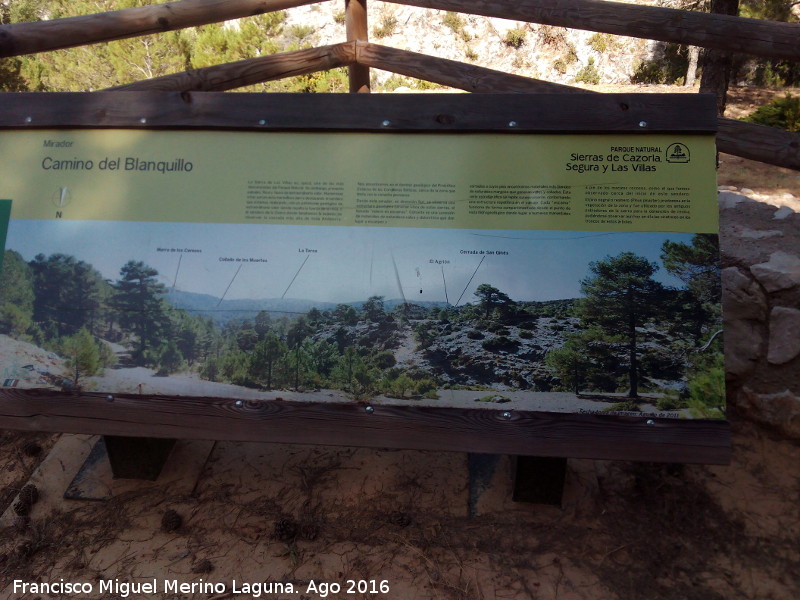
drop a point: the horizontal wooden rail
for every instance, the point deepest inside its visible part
(508, 113)
(755, 142)
(723, 32)
(758, 142)
(27, 38)
(413, 427)
(452, 73)
(228, 76)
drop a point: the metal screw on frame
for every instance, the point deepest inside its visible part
(238, 404)
(29, 119)
(642, 123)
(369, 409)
(651, 422)
(143, 120)
(386, 123)
(262, 122)
(109, 398)
(512, 123)
(506, 414)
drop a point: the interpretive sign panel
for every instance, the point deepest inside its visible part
(540, 272)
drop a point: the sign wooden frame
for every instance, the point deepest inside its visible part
(416, 427)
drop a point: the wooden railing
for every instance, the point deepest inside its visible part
(721, 32)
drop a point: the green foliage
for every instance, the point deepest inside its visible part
(140, 306)
(600, 42)
(588, 74)
(82, 355)
(560, 66)
(783, 113)
(340, 17)
(667, 66)
(300, 32)
(707, 393)
(697, 265)
(500, 343)
(774, 10)
(67, 293)
(625, 406)
(515, 38)
(16, 295)
(386, 27)
(492, 299)
(621, 296)
(168, 358)
(474, 334)
(470, 54)
(373, 309)
(456, 24)
(671, 401)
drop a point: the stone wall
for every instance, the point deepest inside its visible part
(760, 247)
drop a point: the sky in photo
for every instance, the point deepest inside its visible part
(340, 264)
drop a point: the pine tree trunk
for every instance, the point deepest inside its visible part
(691, 72)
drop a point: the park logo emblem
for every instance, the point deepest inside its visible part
(678, 153)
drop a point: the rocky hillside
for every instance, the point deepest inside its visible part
(551, 53)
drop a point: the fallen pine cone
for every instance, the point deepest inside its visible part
(204, 566)
(22, 508)
(400, 519)
(285, 530)
(309, 531)
(31, 449)
(171, 521)
(29, 493)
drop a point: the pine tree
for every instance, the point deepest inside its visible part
(621, 296)
(138, 301)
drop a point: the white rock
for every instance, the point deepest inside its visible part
(782, 213)
(784, 335)
(730, 199)
(747, 191)
(757, 234)
(781, 272)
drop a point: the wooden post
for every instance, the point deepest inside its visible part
(357, 30)
(717, 64)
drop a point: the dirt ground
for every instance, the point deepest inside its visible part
(292, 515)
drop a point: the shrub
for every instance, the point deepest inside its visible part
(599, 42)
(474, 334)
(455, 23)
(339, 17)
(525, 335)
(515, 38)
(497, 328)
(500, 343)
(300, 32)
(783, 113)
(386, 27)
(588, 74)
(560, 66)
(670, 402)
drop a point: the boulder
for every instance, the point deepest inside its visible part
(781, 410)
(742, 297)
(781, 272)
(784, 335)
(744, 341)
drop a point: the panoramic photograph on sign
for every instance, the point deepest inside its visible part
(533, 272)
